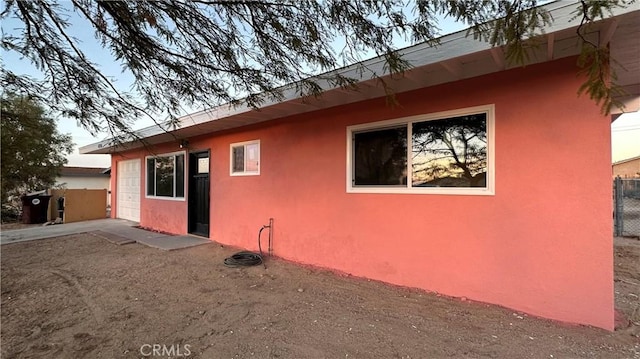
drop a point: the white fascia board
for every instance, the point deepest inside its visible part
(103, 146)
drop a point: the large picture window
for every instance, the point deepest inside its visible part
(165, 176)
(448, 153)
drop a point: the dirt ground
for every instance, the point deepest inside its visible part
(81, 296)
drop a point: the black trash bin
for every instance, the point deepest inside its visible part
(34, 208)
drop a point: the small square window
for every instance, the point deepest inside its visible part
(245, 158)
(203, 165)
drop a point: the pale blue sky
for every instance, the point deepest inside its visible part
(625, 137)
(625, 130)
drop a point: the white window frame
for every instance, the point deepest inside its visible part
(244, 172)
(489, 190)
(185, 170)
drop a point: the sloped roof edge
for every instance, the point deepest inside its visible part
(71, 171)
(626, 160)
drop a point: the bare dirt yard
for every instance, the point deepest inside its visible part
(81, 296)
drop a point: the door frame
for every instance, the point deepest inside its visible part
(192, 193)
(119, 199)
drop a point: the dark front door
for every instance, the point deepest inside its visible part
(199, 193)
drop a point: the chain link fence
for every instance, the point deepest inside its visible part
(626, 207)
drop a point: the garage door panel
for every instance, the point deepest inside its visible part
(129, 190)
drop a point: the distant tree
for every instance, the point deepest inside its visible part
(32, 149)
(202, 53)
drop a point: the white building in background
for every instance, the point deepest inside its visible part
(85, 178)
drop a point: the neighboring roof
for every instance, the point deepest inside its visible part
(627, 160)
(457, 57)
(84, 172)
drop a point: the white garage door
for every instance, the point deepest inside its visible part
(129, 190)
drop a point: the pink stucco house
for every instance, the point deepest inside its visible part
(467, 188)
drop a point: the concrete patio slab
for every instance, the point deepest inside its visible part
(41, 232)
(169, 243)
(113, 238)
(134, 233)
(116, 231)
(157, 240)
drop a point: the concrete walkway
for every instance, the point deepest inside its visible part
(119, 228)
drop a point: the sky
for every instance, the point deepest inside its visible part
(625, 137)
(625, 133)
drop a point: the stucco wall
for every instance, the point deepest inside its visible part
(541, 244)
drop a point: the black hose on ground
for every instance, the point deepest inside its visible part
(243, 259)
(246, 258)
(259, 244)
